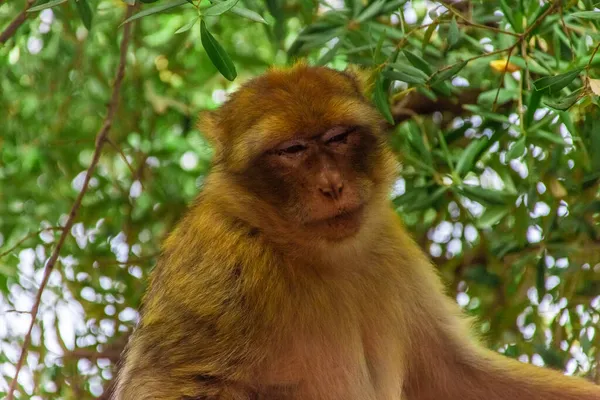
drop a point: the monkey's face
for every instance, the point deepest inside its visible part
(308, 146)
(320, 183)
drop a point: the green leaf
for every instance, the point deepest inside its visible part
(248, 14)
(410, 70)
(187, 26)
(586, 14)
(377, 54)
(380, 99)
(85, 12)
(372, 10)
(547, 136)
(50, 4)
(442, 75)
(532, 105)
(155, 9)
(429, 200)
(471, 154)
(564, 103)
(540, 276)
(491, 216)
(516, 150)
(507, 11)
(488, 196)
(418, 62)
(147, 1)
(531, 21)
(486, 114)
(218, 8)
(487, 98)
(402, 76)
(453, 32)
(328, 56)
(217, 53)
(357, 6)
(553, 84)
(428, 32)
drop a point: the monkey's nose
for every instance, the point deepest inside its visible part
(333, 190)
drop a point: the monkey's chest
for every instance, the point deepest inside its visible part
(343, 365)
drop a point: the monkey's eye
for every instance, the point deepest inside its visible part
(290, 148)
(296, 148)
(342, 137)
(338, 135)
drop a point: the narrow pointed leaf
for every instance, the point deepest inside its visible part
(564, 103)
(586, 14)
(371, 11)
(217, 53)
(155, 9)
(428, 32)
(516, 150)
(50, 4)
(85, 12)
(380, 99)
(218, 8)
(418, 62)
(248, 14)
(553, 84)
(532, 105)
(471, 154)
(330, 54)
(410, 70)
(403, 76)
(453, 32)
(487, 98)
(187, 26)
(441, 76)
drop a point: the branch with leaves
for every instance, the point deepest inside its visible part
(101, 139)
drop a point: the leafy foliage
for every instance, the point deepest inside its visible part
(494, 115)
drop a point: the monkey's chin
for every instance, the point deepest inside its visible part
(340, 227)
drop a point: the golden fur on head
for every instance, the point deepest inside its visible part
(283, 103)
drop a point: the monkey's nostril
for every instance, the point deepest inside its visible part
(334, 191)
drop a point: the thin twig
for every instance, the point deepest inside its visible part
(495, 103)
(15, 23)
(100, 141)
(589, 64)
(29, 236)
(540, 19)
(566, 31)
(123, 156)
(487, 28)
(468, 22)
(491, 53)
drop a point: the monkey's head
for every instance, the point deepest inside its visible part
(303, 150)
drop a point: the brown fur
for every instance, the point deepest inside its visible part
(244, 304)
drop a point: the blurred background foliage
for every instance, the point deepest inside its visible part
(493, 109)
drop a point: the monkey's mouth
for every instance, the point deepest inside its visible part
(344, 220)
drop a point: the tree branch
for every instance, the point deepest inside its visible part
(100, 141)
(417, 103)
(15, 23)
(29, 236)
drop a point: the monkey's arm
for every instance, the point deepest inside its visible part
(447, 363)
(488, 375)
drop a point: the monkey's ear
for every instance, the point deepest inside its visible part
(208, 124)
(362, 77)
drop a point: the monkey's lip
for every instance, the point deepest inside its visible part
(343, 217)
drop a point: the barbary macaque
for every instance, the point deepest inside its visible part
(291, 277)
